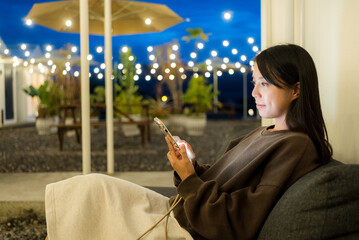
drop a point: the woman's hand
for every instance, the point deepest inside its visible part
(179, 160)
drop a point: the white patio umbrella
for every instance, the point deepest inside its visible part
(101, 17)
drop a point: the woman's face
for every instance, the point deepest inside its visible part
(272, 101)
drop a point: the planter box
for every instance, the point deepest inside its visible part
(195, 125)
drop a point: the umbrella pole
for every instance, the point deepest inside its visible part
(108, 85)
(85, 88)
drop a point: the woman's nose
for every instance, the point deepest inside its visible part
(255, 92)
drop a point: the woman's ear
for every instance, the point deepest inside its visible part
(296, 91)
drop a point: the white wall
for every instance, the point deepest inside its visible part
(329, 30)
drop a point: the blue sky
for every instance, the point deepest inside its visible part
(207, 15)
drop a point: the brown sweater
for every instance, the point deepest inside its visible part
(232, 198)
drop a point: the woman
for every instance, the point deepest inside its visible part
(232, 198)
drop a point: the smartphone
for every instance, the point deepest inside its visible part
(164, 129)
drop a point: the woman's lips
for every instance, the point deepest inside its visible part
(260, 106)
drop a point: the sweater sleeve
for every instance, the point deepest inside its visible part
(240, 214)
(201, 168)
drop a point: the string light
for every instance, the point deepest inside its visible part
(173, 56)
(214, 53)
(227, 15)
(175, 47)
(99, 49)
(152, 57)
(28, 22)
(49, 48)
(148, 21)
(68, 23)
(200, 45)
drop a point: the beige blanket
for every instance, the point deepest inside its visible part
(97, 206)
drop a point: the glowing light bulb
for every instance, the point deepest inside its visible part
(214, 53)
(175, 47)
(148, 21)
(68, 23)
(200, 45)
(99, 49)
(28, 22)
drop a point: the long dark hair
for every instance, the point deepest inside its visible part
(284, 66)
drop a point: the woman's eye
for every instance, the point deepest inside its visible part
(264, 84)
(253, 82)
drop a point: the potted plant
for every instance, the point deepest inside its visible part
(49, 96)
(198, 97)
(126, 93)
